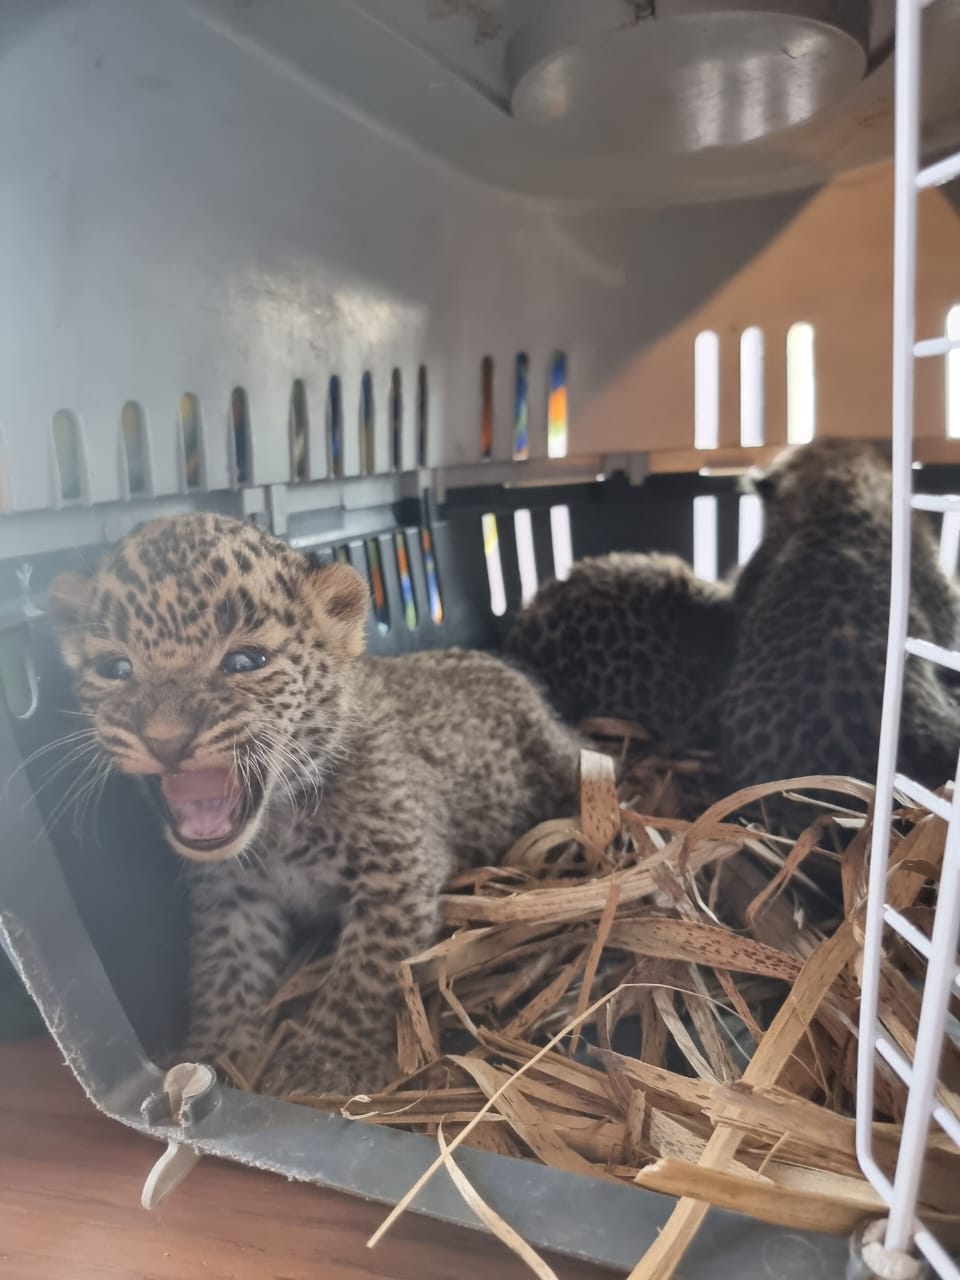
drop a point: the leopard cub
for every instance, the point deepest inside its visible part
(293, 775)
(806, 687)
(637, 637)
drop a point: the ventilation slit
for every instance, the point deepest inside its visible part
(136, 452)
(6, 501)
(299, 425)
(366, 424)
(801, 384)
(953, 375)
(396, 420)
(486, 407)
(491, 550)
(521, 408)
(526, 555)
(433, 580)
(380, 609)
(706, 390)
(949, 542)
(335, 428)
(705, 537)
(190, 430)
(68, 448)
(406, 582)
(557, 406)
(751, 387)
(423, 409)
(18, 674)
(562, 542)
(240, 432)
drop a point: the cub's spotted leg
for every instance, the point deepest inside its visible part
(240, 946)
(348, 1042)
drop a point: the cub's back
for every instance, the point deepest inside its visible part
(480, 740)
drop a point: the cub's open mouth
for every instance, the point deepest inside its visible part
(206, 809)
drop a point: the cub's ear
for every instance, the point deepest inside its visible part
(69, 598)
(762, 483)
(341, 599)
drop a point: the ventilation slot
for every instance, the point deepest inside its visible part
(6, 498)
(423, 410)
(949, 542)
(557, 406)
(406, 582)
(191, 442)
(751, 387)
(136, 450)
(335, 428)
(366, 425)
(749, 526)
(433, 580)
(68, 451)
(299, 432)
(705, 537)
(526, 556)
(706, 390)
(953, 375)
(242, 444)
(801, 384)
(396, 420)
(491, 551)
(18, 674)
(521, 408)
(486, 407)
(378, 591)
(562, 542)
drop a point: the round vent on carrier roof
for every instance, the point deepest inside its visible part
(680, 76)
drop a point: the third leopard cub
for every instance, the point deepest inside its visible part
(293, 774)
(805, 692)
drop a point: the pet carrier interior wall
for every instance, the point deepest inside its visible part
(458, 291)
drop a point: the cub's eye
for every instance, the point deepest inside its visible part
(239, 661)
(114, 668)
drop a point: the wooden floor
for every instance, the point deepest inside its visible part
(70, 1184)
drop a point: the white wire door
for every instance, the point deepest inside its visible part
(903, 1230)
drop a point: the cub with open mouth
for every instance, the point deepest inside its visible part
(226, 670)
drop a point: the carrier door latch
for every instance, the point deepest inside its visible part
(189, 1093)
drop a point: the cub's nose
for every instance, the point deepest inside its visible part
(169, 749)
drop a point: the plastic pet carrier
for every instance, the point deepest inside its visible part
(459, 291)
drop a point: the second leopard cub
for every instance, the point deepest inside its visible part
(293, 774)
(638, 637)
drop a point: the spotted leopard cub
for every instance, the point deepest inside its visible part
(293, 774)
(806, 687)
(638, 637)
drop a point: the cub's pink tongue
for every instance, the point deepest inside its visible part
(202, 802)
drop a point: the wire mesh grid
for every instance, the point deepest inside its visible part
(903, 1229)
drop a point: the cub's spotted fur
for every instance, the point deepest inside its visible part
(633, 636)
(805, 691)
(294, 774)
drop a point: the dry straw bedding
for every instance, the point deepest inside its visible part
(669, 1000)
